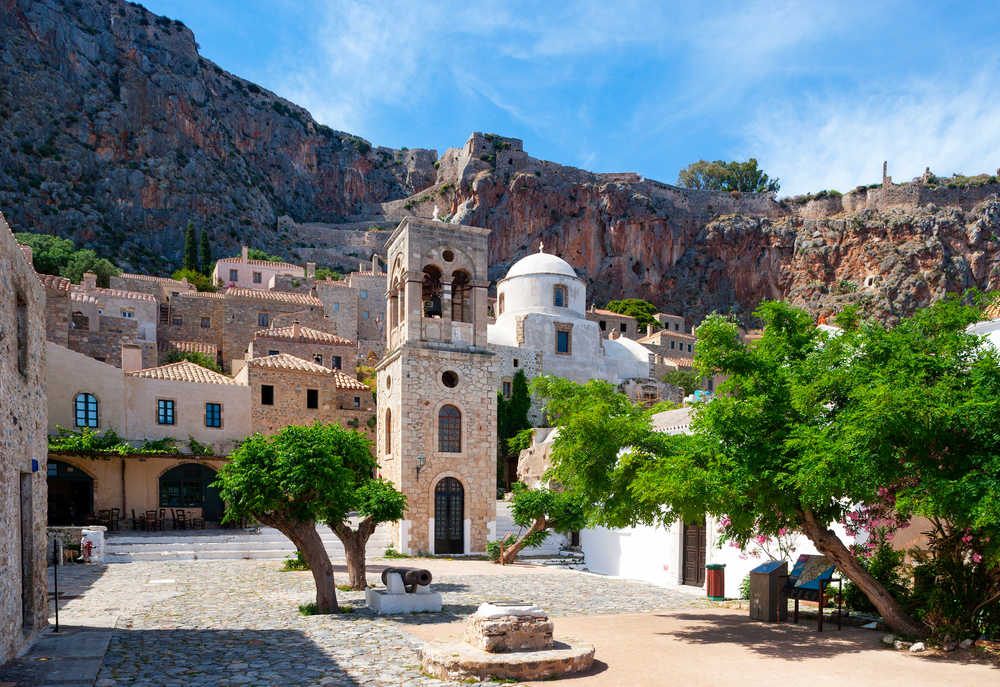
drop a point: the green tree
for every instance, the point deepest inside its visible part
(198, 280)
(376, 501)
(205, 253)
(48, 253)
(745, 177)
(194, 357)
(641, 310)
(258, 254)
(191, 250)
(86, 260)
(535, 512)
(684, 378)
(807, 430)
(512, 417)
(323, 273)
(292, 480)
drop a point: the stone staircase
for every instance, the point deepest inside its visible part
(213, 545)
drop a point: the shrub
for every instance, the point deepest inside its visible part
(885, 564)
(745, 588)
(295, 562)
(390, 552)
(194, 357)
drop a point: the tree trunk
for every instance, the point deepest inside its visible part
(354, 542)
(307, 540)
(508, 555)
(829, 545)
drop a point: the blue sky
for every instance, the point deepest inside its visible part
(819, 93)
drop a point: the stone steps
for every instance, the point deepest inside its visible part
(269, 544)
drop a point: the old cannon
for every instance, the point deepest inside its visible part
(412, 577)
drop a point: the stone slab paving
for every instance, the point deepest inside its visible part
(192, 624)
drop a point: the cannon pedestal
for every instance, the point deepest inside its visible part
(403, 593)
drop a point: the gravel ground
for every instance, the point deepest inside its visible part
(189, 624)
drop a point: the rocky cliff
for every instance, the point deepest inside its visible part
(115, 132)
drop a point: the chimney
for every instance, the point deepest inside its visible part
(375, 269)
(361, 267)
(89, 281)
(613, 334)
(296, 329)
(649, 330)
(310, 270)
(131, 357)
(245, 254)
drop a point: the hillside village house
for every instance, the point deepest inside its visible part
(244, 273)
(23, 602)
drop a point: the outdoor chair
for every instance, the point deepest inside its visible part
(180, 520)
(115, 519)
(152, 522)
(808, 581)
(138, 522)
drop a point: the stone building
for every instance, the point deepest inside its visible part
(242, 272)
(161, 288)
(288, 390)
(324, 349)
(437, 388)
(609, 321)
(23, 603)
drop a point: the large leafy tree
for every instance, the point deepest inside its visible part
(809, 429)
(643, 311)
(54, 255)
(86, 260)
(376, 501)
(536, 511)
(512, 418)
(305, 475)
(719, 175)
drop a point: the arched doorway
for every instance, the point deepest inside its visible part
(71, 494)
(189, 486)
(449, 523)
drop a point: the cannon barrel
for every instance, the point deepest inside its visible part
(411, 576)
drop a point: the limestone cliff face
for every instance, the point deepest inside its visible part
(694, 252)
(115, 132)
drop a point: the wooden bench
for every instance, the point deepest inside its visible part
(808, 581)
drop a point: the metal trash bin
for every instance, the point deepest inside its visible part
(768, 598)
(715, 581)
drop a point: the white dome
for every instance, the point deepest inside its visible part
(541, 263)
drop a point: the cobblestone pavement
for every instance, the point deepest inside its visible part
(188, 624)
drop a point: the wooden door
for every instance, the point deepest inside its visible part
(694, 554)
(449, 521)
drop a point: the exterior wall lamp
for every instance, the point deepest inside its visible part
(421, 461)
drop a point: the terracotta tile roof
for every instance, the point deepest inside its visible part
(51, 281)
(284, 296)
(611, 313)
(149, 277)
(118, 293)
(80, 297)
(287, 361)
(304, 334)
(345, 381)
(184, 371)
(263, 263)
(192, 347)
(664, 334)
(202, 294)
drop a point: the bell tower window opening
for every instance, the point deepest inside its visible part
(461, 292)
(431, 291)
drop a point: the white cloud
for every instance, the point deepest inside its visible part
(839, 140)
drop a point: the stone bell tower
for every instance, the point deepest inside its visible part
(437, 388)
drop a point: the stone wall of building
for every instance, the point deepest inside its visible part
(290, 408)
(104, 342)
(319, 352)
(23, 410)
(340, 303)
(370, 287)
(160, 288)
(57, 308)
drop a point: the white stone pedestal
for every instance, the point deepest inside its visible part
(384, 603)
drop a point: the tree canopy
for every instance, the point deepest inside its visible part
(191, 249)
(54, 255)
(719, 175)
(809, 429)
(512, 418)
(195, 357)
(641, 310)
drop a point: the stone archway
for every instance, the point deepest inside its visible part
(71, 494)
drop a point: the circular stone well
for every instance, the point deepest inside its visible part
(461, 661)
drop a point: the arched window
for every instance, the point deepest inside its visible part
(431, 291)
(388, 431)
(393, 305)
(449, 429)
(85, 407)
(559, 296)
(500, 304)
(461, 292)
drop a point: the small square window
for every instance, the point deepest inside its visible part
(364, 293)
(262, 319)
(178, 321)
(272, 352)
(622, 327)
(206, 323)
(266, 395)
(234, 275)
(562, 342)
(318, 359)
(366, 314)
(128, 314)
(336, 307)
(516, 362)
(672, 344)
(312, 398)
(603, 325)
(336, 362)
(559, 296)
(357, 401)
(213, 414)
(257, 277)
(677, 327)
(689, 348)
(164, 412)
(506, 389)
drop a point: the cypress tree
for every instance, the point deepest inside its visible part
(190, 249)
(206, 253)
